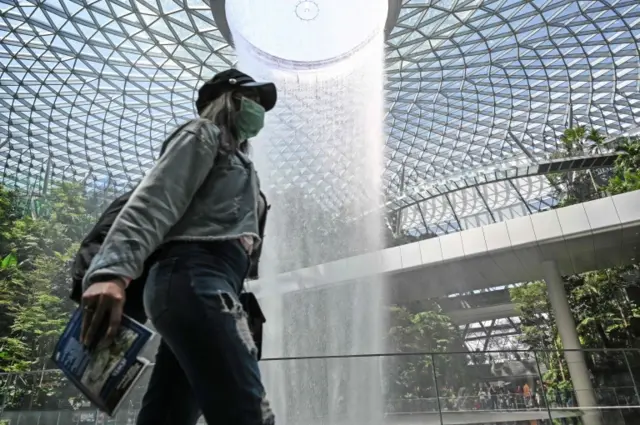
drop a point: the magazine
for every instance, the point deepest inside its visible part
(107, 374)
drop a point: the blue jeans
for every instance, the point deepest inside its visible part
(206, 363)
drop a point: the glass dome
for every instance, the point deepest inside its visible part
(89, 92)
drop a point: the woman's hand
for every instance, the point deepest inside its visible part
(102, 301)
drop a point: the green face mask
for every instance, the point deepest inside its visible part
(249, 120)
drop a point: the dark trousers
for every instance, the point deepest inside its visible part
(206, 362)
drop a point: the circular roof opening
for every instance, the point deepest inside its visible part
(305, 31)
(307, 10)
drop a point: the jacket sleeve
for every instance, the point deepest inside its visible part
(157, 203)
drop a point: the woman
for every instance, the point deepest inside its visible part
(197, 211)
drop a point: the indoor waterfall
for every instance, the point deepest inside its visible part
(320, 160)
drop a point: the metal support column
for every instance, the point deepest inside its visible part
(435, 383)
(544, 393)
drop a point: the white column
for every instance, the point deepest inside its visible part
(568, 334)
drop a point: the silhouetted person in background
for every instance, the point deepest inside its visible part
(494, 397)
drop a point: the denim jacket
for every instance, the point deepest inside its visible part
(194, 192)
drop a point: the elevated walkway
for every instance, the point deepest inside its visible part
(583, 237)
(482, 314)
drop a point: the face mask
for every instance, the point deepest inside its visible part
(249, 120)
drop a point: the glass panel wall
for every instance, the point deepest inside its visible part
(510, 387)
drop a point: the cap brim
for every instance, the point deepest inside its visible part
(267, 91)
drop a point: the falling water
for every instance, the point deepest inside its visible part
(320, 161)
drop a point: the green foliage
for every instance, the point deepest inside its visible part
(600, 305)
(606, 316)
(578, 186)
(626, 175)
(536, 321)
(37, 300)
(9, 261)
(428, 330)
(581, 186)
(35, 251)
(602, 309)
(579, 141)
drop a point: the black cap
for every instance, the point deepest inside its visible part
(230, 80)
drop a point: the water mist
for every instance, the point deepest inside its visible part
(320, 160)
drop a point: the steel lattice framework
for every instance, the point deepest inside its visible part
(89, 89)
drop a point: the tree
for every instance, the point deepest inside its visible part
(427, 330)
(579, 186)
(601, 307)
(36, 248)
(536, 321)
(578, 141)
(606, 315)
(626, 177)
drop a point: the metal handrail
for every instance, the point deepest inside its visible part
(403, 354)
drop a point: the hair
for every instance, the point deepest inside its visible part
(222, 112)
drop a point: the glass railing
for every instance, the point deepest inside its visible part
(512, 387)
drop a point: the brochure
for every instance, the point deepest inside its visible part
(107, 374)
